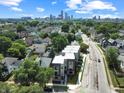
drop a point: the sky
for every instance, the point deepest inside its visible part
(77, 8)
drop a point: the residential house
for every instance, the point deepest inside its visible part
(28, 41)
(120, 43)
(47, 41)
(112, 42)
(37, 40)
(121, 58)
(121, 32)
(104, 42)
(38, 49)
(78, 34)
(44, 61)
(11, 63)
(99, 36)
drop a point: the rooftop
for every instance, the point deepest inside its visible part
(58, 60)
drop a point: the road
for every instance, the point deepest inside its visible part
(94, 78)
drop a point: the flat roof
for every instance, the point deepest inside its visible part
(58, 60)
(69, 56)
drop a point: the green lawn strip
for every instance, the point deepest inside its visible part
(83, 68)
(73, 79)
(113, 78)
(121, 91)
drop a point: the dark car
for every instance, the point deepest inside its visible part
(99, 60)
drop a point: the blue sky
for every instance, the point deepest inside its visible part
(79, 8)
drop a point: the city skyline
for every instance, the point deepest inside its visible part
(77, 8)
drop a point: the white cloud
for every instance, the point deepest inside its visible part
(53, 3)
(73, 4)
(16, 9)
(82, 12)
(10, 2)
(40, 9)
(98, 5)
(25, 15)
(87, 6)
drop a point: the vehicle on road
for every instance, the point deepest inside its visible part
(99, 60)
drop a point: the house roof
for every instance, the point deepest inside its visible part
(69, 56)
(11, 61)
(71, 49)
(58, 60)
(121, 31)
(75, 43)
(38, 48)
(119, 41)
(121, 57)
(61, 58)
(45, 62)
(111, 40)
(121, 51)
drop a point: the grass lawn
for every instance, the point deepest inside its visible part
(121, 91)
(114, 81)
(121, 81)
(60, 88)
(73, 79)
(33, 57)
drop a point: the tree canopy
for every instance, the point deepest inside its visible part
(5, 44)
(17, 50)
(30, 73)
(112, 55)
(59, 42)
(65, 27)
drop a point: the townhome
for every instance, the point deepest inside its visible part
(59, 67)
(65, 64)
(72, 49)
(121, 32)
(121, 59)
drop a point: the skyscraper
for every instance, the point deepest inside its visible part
(62, 13)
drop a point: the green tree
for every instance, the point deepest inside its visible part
(84, 47)
(5, 43)
(114, 35)
(70, 37)
(30, 89)
(17, 50)
(20, 28)
(10, 34)
(1, 57)
(4, 88)
(30, 73)
(43, 35)
(112, 55)
(34, 23)
(20, 42)
(59, 42)
(65, 27)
